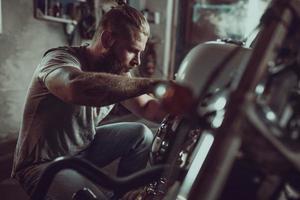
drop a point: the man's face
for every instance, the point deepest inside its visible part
(126, 54)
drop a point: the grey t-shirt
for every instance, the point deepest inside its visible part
(50, 127)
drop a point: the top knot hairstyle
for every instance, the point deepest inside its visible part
(121, 2)
(123, 21)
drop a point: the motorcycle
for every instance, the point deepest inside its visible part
(239, 136)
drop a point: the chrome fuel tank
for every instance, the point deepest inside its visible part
(204, 58)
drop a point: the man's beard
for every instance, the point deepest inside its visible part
(110, 63)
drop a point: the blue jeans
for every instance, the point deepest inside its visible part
(130, 141)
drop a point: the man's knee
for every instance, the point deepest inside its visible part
(144, 133)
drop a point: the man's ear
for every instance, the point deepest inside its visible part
(107, 39)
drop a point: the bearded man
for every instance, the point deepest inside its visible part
(74, 88)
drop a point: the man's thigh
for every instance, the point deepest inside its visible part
(116, 140)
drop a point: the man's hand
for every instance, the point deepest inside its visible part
(176, 99)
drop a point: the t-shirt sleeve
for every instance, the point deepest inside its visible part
(54, 60)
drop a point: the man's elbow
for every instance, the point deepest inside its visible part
(65, 92)
(66, 84)
(80, 94)
(72, 93)
(68, 94)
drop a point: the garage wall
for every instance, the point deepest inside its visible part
(23, 41)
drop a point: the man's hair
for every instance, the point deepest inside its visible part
(123, 21)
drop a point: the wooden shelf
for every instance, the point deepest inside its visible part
(40, 15)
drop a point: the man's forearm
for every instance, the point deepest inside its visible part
(98, 89)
